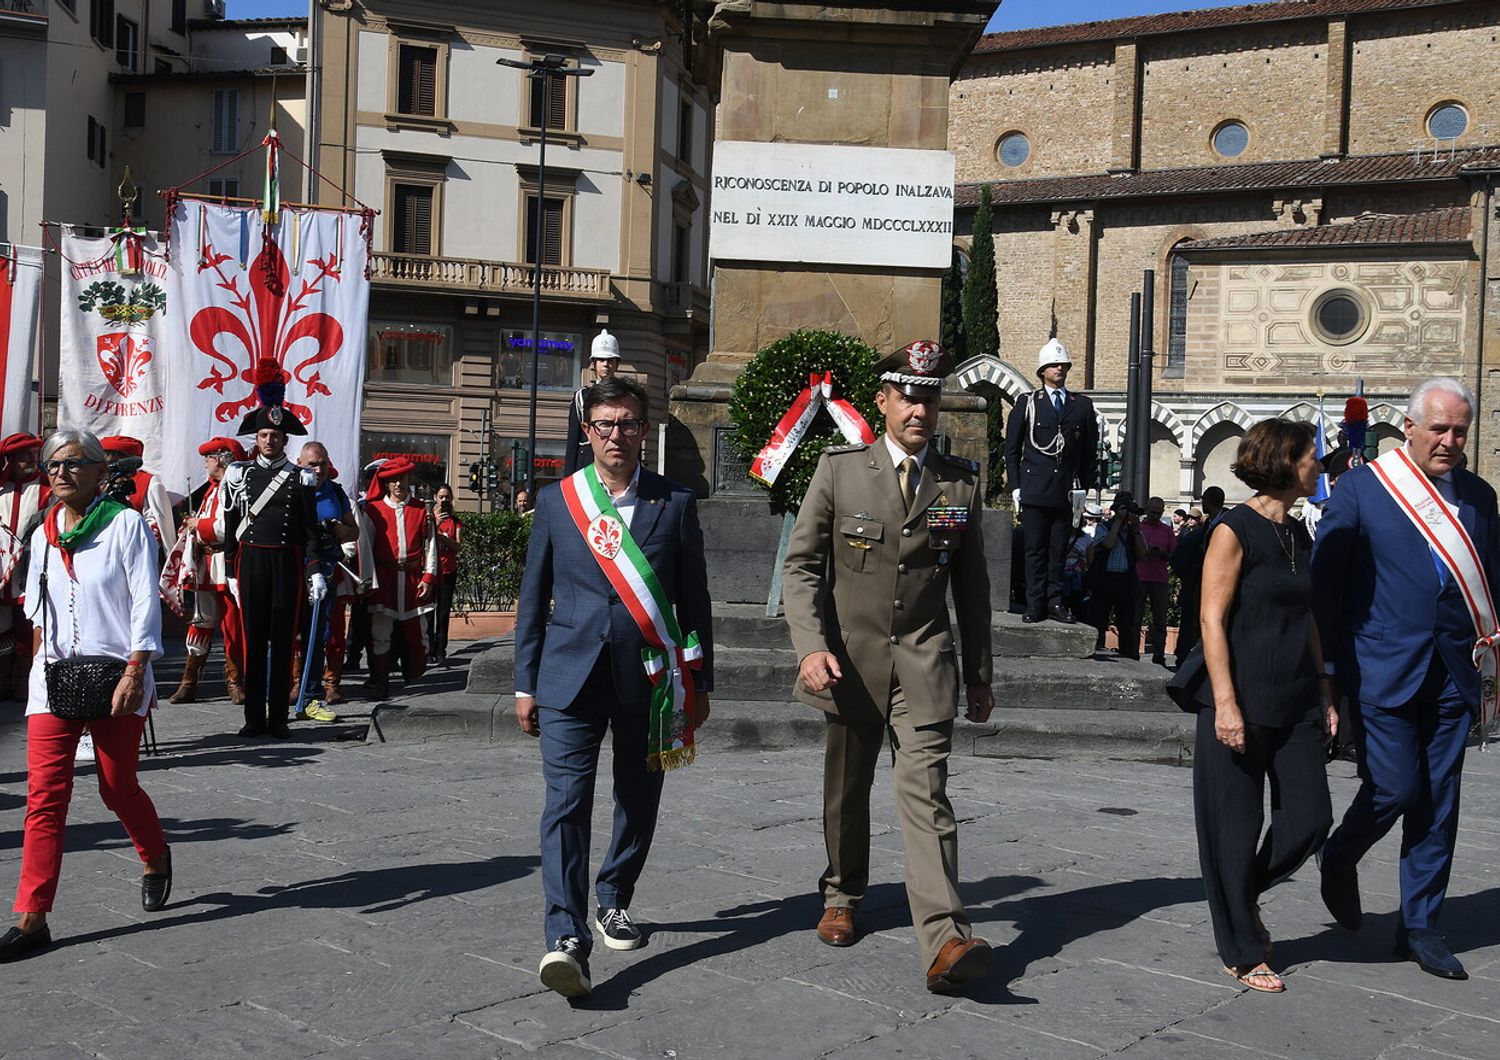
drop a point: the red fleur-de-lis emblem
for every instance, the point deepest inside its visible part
(606, 535)
(123, 359)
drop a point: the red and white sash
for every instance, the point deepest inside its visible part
(1419, 500)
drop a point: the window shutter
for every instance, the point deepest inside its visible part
(417, 87)
(412, 231)
(552, 234)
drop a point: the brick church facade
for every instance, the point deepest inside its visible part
(1313, 182)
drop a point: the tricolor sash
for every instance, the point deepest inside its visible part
(1419, 500)
(669, 657)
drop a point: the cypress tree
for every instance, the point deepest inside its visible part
(952, 336)
(981, 300)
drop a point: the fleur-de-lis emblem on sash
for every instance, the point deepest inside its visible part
(606, 535)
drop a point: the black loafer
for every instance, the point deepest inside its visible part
(156, 888)
(15, 943)
(252, 730)
(1033, 616)
(1430, 952)
(1059, 613)
(280, 731)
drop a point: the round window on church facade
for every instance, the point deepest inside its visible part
(1448, 121)
(1231, 139)
(1339, 317)
(1013, 149)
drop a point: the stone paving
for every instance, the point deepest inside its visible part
(337, 898)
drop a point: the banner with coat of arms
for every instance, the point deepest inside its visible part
(242, 290)
(20, 299)
(113, 324)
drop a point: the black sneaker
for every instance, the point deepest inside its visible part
(566, 969)
(619, 931)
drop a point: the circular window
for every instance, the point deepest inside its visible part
(1231, 139)
(1013, 149)
(1339, 317)
(1448, 121)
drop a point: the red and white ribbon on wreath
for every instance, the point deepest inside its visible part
(789, 432)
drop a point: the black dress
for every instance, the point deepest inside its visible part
(1277, 690)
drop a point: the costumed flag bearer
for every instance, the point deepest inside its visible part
(268, 522)
(405, 553)
(197, 565)
(24, 494)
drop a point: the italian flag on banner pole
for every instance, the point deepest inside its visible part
(20, 296)
(669, 657)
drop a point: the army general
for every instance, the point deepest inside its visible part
(883, 530)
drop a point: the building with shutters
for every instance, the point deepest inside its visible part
(1313, 182)
(417, 117)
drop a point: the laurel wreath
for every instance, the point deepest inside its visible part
(771, 382)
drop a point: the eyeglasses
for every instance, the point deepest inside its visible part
(57, 467)
(604, 428)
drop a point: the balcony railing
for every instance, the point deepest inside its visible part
(487, 277)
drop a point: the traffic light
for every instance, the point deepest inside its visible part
(492, 477)
(476, 483)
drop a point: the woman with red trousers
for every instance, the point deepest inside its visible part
(99, 558)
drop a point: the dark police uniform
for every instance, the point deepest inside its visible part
(269, 549)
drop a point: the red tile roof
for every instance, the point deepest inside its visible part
(1186, 21)
(1450, 225)
(1247, 176)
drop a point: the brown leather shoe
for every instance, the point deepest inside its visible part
(837, 926)
(959, 961)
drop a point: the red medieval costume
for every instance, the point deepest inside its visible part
(404, 548)
(149, 496)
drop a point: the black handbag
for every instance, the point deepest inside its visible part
(1190, 687)
(80, 687)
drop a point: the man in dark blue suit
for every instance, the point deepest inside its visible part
(579, 673)
(1393, 616)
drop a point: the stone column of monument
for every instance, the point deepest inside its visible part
(847, 73)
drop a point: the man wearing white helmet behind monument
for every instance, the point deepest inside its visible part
(604, 357)
(1051, 453)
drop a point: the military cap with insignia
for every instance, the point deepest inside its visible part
(916, 369)
(270, 390)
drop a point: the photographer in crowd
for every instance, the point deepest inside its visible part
(1116, 586)
(1151, 570)
(128, 482)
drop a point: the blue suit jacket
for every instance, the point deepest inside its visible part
(568, 612)
(1380, 604)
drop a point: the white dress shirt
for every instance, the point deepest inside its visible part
(898, 454)
(625, 502)
(112, 607)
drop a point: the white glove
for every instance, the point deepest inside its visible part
(317, 586)
(1015, 499)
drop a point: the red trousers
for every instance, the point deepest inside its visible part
(50, 744)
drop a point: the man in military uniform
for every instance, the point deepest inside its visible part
(268, 522)
(882, 531)
(1051, 442)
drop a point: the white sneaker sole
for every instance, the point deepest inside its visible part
(564, 975)
(618, 944)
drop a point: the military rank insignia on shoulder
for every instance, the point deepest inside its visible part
(857, 447)
(958, 461)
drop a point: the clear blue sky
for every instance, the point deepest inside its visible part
(1013, 14)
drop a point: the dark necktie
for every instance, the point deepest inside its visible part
(1057, 404)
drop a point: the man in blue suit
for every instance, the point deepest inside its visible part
(579, 673)
(1392, 614)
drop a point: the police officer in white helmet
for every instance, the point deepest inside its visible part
(1051, 453)
(604, 357)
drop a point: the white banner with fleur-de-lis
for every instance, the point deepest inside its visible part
(113, 319)
(299, 298)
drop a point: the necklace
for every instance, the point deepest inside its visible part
(1284, 537)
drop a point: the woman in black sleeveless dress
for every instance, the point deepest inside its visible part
(1272, 714)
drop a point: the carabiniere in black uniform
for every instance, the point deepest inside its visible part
(270, 524)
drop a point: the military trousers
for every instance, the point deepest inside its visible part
(928, 829)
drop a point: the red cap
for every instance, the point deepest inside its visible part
(16, 443)
(384, 473)
(219, 445)
(124, 445)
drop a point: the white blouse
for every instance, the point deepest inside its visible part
(112, 604)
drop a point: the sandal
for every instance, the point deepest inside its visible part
(1260, 977)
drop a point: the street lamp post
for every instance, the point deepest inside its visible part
(541, 70)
